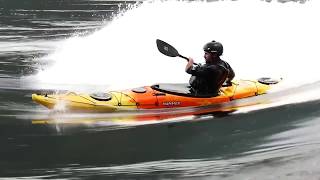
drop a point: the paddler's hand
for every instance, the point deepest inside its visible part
(190, 64)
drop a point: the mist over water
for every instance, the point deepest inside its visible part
(261, 39)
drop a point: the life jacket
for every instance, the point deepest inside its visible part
(229, 71)
(210, 83)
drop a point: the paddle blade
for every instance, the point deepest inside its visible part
(166, 49)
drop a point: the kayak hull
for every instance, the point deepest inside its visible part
(147, 97)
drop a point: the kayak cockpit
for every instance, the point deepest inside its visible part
(182, 89)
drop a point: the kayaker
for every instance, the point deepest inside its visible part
(208, 78)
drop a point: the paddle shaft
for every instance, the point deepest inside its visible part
(186, 59)
(183, 57)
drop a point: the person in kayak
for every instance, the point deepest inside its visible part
(208, 78)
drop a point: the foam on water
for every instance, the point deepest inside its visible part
(260, 39)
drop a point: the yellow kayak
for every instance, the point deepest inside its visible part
(159, 96)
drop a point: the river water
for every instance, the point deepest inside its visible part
(49, 45)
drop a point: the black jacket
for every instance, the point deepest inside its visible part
(230, 75)
(208, 78)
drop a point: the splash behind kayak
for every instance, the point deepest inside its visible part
(157, 96)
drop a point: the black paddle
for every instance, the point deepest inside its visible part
(169, 50)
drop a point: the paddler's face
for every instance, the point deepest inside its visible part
(208, 56)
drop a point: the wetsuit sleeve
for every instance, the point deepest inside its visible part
(202, 71)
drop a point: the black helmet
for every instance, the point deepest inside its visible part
(213, 46)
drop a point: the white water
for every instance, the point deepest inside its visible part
(260, 39)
